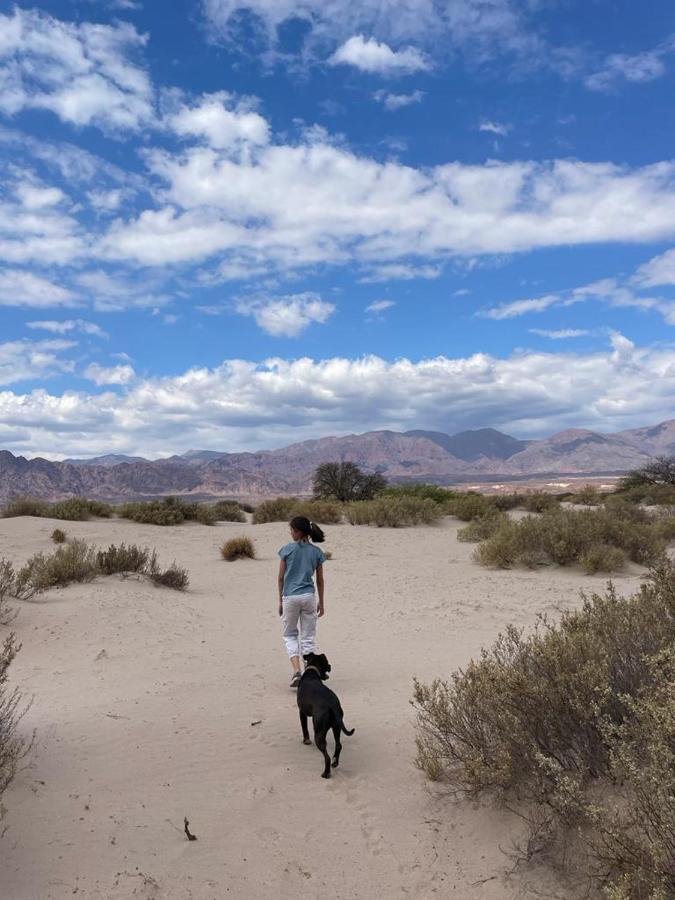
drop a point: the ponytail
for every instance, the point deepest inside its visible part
(310, 529)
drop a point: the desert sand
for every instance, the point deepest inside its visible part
(144, 701)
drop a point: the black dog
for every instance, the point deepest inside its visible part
(317, 701)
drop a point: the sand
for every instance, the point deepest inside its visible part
(144, 699)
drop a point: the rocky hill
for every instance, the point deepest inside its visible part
(413, 455)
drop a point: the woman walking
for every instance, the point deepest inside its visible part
(298, 607)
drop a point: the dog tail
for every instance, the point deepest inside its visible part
(346, 730)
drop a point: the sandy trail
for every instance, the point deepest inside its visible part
(144, 699)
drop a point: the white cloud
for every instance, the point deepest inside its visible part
(380, 305)
(27, 360)
(101, 375)
(560, 334)
(113, 293)
(286, 316)
(393, 102)
(370, 55)
(22, 288)
(221, 121)
(520, 307)
(499, 128)
(658, 271)
(81, 72)
(638, 68)
(68, 325)
(245, 405)
(400, 272)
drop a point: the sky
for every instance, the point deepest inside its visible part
(238, 224)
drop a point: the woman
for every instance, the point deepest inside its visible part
(300, 561)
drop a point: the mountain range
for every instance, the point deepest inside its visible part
(482, 454)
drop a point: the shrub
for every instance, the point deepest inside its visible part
(228, 511)
(238, 548)
(122, 559)
(24, 506)
(393, 512)
(588, 495)
(602, 558)
(563, 536)
(558, 717)
(469, 505)
(420, 491)
(154, 512)
(279, 510)
(75, 561)
(7, 582)
(649, 494)
(482, 528)
(538, 502)
(503, 502)
(13, 745)
(174, 577)
(58, 536)
(345, 481)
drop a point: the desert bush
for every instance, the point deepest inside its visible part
(238, 548)
(469, 505)
(345, 481)
(7, 583)
(648, 494)
(228, 511)
(174, 577)
(24, 506)
(482, 528)
(539, 502)
(563, 536)
(71, 562)
(72, 510)
(122, 559)
(504, 502)
(59, 536)
(576, 723)
(588, 495)
(278, 510)
(602, 558)
(393, 512)
(420, 491)
(13, 745)
(154, 512)
(659, 471)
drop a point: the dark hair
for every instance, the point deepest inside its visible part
(304, 526)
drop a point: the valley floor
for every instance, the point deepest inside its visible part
(144, 701)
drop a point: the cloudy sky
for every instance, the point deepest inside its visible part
(233, 224)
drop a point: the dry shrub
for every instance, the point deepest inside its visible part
(648, 494)
(71, 562)
(539, 502)
(228, 511)
(174, 577)
(13, 745)
(282, 509)
(482, 528)
(469, 506)
(420, 491)
(58, 536)
(154, 512)
(328, 554)
(396, 512)
(25, 506)
(238, 548)
(602, 558)
(575, 723)
(563, 536)
(503, 502)
(123, 559)
(7, 581)
(588, 495)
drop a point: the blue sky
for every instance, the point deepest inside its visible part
(234, 224)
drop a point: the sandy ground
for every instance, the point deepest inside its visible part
(144, 700)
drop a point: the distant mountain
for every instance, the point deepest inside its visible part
(413, 455)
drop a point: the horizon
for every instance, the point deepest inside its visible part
(228, 224)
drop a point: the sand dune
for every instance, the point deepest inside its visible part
(144, 699)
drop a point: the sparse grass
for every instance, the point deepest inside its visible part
(575, 724)
(393, 512)
(238, 548)
(59, 536)
(566, 536)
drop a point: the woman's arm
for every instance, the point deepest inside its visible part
(280, 580)
(319, 586)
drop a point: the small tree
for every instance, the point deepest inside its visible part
(660, 471)
(345, 481)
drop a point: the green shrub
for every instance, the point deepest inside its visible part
(469, 505)
(13, 745)
(588, 495)
(7, 582)
(174, 577)
(71, 562)
(25, 506)
(482, 528)
(602, 558)
(278, 510)
(504, 502)
(72, 510)
(420, 491)
(576, 722)
(238, 548)
(539, 502)
(59, 536)
(388, 512)
(154, 512)
(122, 559)
(228, 511)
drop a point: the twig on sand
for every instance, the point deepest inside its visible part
(257, 722)
(190, 837)
(485, 880)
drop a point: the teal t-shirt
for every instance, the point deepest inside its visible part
(302, 559)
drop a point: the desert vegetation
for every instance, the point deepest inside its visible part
(282, 509)
(573, 726)
(345, 481)
(75, 509)
(393, 512)
(238, 548)
(600, 540)
(59, 536)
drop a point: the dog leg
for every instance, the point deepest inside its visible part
(338, 746)
(320, 741)
(305, 730)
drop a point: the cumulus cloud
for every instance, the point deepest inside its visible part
(638, 68)
(21, 288)
(499, 128)
(84, 73)
(28, 360)
(69, 325)
(101, 375)
(392, 102)
(372, 56)
(247, 405)
(222, 121)
(286, 316)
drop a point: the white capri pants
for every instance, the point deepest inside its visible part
(299, 621)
